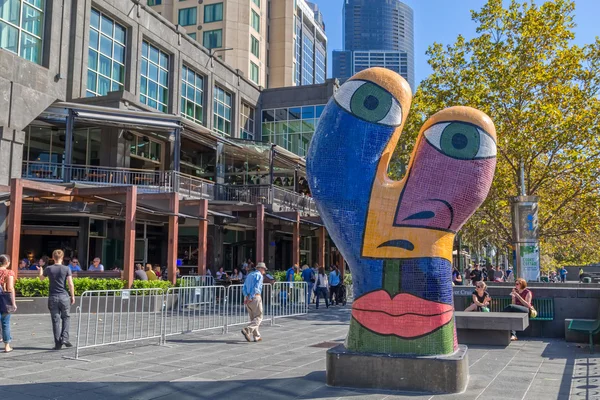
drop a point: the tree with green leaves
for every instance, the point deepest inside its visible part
(542, 92)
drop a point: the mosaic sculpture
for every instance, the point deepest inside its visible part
(397, 236)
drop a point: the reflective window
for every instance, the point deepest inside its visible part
(106, 55)
(254, 73)
(298, 53)
(192, 95)
(154, 84)
(255, 46)
(308, 54)
(21, 28)
(222, 111)
(213, 12)
(257, 2)
(320, 71)
(187, 16)
(213, 39)
(255, 21)
(291, 128)
(247, 122)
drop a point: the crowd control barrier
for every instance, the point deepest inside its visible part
(107, 317)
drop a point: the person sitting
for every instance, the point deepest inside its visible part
(221, 274)
(96, 266)
(237, 274)
(481, 298)
(139, 273)
(522, 299)
(498, 274)
(74, 265)
(42, 262)
(151, 275)
(157, 271)
(24, 264)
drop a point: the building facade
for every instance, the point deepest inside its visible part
(273, 43)
(117, 109)
(376, 33)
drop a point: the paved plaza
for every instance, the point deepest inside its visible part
(288, 364)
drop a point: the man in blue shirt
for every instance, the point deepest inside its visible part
(334, 285)
(563, 274)
(308, 276)
(74, 265)
(253, 301)
(289, 275)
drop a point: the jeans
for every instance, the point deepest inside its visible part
(309, 286)
(60, 309)
(5, 321)
(516, 308)
(322, 291)
(334, 290)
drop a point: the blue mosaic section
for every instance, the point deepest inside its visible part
(340, 179)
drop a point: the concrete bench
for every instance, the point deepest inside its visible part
(491, 328)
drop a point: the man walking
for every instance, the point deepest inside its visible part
(253, 301)
(308, 276)
(334, 285)
(58, 300)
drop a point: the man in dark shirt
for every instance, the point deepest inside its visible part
(58, 300)
(475, 275)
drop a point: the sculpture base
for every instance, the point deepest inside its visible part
(431, 374)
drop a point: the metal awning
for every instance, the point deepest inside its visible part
(156, 211)
(131, 121)
(306, 221)
(280, 217)
(218, 214)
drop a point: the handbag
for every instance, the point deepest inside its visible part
(533, 312)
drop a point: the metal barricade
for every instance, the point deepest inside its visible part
(193, 309)
(108, 317)
(289, 299)
(235, 310)
(197, 280)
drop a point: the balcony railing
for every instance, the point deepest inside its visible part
(276, 198)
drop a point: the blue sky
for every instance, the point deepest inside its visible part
(443, 20)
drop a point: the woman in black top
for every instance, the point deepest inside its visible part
(481, 298)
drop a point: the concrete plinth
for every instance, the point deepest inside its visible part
(431, 374)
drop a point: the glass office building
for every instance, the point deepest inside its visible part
(382, 31)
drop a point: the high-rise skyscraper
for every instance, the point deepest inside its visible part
(377, 33)
(275, 43)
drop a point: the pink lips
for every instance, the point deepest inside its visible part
(404, 315)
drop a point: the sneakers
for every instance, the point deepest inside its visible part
(67, 344)
(513, 338)
(246, 335)
(258, 339)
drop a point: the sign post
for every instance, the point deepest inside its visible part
(526, 237)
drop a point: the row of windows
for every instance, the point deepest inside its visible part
(212, 13)
(106, 73)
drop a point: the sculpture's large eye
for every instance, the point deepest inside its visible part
(461, 140)
(369, 102)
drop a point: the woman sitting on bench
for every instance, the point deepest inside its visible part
(521, 301)
(481, 298)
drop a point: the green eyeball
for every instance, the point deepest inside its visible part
(371, 103)
(460, 141)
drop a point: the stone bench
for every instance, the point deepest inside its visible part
(488, 328)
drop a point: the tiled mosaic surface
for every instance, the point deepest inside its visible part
(397, 236)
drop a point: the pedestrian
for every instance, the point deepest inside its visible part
(139, 273)
(252, 291)
(456, 277)
(334, 285)
(522, 302)
(563, 274)
(322, 284)
(475, 274)
(96, 266)
(510, 276)
(289, 274)
(498, 275)
(309, 277)
(580, 274)
(8, 304)
(59, 305)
